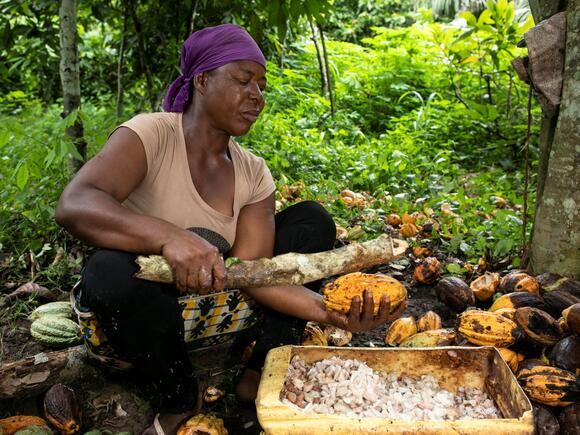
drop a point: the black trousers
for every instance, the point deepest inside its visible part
(143, 322)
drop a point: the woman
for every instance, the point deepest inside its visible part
(175, 184)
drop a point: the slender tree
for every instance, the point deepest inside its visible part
(70, 79)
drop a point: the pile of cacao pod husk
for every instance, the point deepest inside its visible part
(534, 322)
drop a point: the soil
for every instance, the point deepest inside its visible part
(115, 404)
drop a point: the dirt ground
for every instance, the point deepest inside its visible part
(115, 404)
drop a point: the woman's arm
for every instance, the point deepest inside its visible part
(90, 209)
(255, 239)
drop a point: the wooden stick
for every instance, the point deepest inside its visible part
(292, 268)
(32, 375)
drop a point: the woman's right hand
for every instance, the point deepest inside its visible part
(197, 265)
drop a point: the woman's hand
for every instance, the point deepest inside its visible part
(364, 320)
(197, 265)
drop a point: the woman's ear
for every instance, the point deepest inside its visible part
(199, 82)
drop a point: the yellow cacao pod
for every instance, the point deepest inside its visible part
(517, 300)
(511, 357)
(429, 321)
(550, 385)
(485, 286)
(508, 313)
(338, 295)
(313, 336)
(571, 316)
(400, 329)
(433, 338)
(394, 219)
(427, 271)
(486, 329)
(409, 230)
(203, 423)
(519, 282)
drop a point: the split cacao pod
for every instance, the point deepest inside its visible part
(394, 219)
(517, 300)
(485, 286)
(539, 327)
(571, 316)
(569, 420)
(545, 422)
(566, 354)
(336, 336)
(313, 336)
(558, 300)
(203, 424)
(62, 409)
(551, 281)
(430, 320)
(550, 385)
(427, 271)
(485, 328)
(519, 282)
(433, 338)
(409, 230)
(338, 295)
(400, 330)
(455, 293)
(10, 425)
(212, 394)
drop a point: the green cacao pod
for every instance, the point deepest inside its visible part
(55, 331)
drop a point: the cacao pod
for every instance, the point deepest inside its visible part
(409, 218)
(62, 409)
(519, 282)
(550, 282)
(212, 394)
(569, 420)
(313, 335)
(517, 300)
(558, 300)
(55, 331)
(510, 357)
(571, 316)
(486, 329)
(338, 295)
(508, 313)
(336, 336)
(400, 330)
(421, 251)
(485, 286)
(409, 230)
(10, 425)
(57, 309)
(566, 354)
(530, 363)
(430, 320)
(455, 293)
(427, 271)
(34, 430)
(540, 328)
(550, 385)
(203, 424)
(432, 338)
(545, 422)
(394, 219)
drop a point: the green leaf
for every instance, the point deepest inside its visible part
(454, 268)
(230, 261)
(22, 175)
(4, 137)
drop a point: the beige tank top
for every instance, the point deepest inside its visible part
(167, 191)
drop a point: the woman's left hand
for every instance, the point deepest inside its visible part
(359, 320)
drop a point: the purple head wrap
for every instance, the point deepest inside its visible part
(208, 49)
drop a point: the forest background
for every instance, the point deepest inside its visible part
(414, 105)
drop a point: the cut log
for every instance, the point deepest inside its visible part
(292, 268)
(32, 375)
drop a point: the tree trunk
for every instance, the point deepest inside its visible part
(319, 57)
(328, 72)
(143, 64)
(119, 105)
(555, 243)
(292, 268)
(70, 79)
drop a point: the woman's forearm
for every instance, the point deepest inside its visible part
(293, 300)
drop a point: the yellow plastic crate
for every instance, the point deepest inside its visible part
(480, 367)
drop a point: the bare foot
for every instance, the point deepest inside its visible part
(247, 388)
(169, 423)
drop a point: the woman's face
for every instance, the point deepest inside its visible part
(233, 96)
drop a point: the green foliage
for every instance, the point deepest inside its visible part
(428, 116)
